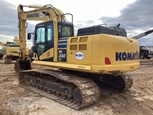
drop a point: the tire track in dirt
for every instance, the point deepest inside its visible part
(120, 108)
(146, 85)
(136, 101)
(143, 86)
(125, 104)
(120, 105)
(135, 106)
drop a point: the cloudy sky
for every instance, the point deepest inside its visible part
(134, 15)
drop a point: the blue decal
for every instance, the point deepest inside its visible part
(62, 43)
(123, 56)
(79, 55)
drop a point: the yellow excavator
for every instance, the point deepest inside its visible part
(12, 51)
(2, 50)
(97, 55)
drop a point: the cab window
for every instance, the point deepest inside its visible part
(49, 33)
(40, 35)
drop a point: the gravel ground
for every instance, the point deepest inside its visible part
(15, 100)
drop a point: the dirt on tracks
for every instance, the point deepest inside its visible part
(15, 100)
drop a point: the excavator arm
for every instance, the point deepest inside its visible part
(39, 13)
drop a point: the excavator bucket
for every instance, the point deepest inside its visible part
(22, 65)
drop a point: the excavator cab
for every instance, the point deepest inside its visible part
(46, 34)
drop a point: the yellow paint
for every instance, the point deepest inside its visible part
(47, 54)
(14, 51)
(93, 48)
(97, 48)
(63, 65)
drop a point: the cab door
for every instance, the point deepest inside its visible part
(43, 40)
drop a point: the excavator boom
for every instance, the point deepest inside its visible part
(143, 34)
(40, 13)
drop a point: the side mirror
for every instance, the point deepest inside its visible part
(29, 36)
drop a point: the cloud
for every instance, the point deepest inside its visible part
(135, 16)
(4, 38)
(82, 24)
(9, 21)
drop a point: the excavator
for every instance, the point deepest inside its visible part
(12, 51)
(94, 56)
(2, 50)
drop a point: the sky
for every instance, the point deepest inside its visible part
(134, 15)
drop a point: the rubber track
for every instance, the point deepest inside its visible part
(89, 89)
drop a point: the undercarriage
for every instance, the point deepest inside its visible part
(68, 89)
(74, 90)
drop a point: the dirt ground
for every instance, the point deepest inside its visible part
(15, 100)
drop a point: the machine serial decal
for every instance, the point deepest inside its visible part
(62, 55)
(123, 56)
